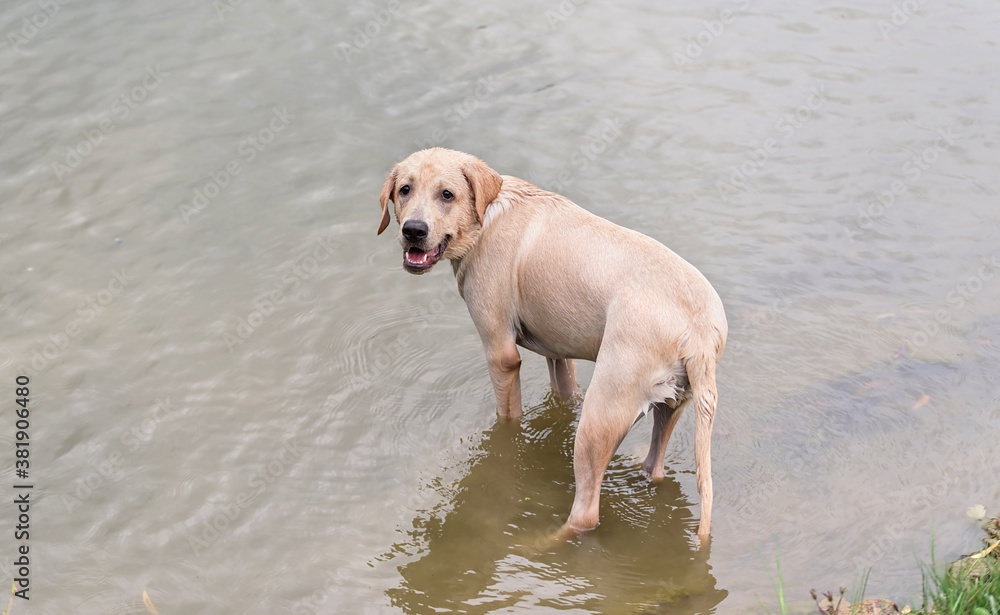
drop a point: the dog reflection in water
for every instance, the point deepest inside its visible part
(475, 551)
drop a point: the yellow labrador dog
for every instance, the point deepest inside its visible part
(538, 271)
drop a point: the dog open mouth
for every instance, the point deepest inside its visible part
(417, 260)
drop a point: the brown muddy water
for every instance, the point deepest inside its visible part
(240, 403)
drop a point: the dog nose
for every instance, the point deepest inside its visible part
(415, 230)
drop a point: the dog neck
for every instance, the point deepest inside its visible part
(456, 266)
(460, 264)
(494, 211)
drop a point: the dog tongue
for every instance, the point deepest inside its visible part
(416, 256)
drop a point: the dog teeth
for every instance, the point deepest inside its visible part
(416, 257)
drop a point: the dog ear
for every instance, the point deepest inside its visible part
(485, 184)
(386, 196)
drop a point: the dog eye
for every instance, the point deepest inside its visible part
(404, 190)
(447, 195)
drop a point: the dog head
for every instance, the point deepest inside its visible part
(440, 197)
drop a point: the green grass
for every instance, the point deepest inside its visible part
(946, 591)
(778, 583)
(952, 592)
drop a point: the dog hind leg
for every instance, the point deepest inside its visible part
(562, 376)
(665, 417)
(609, 409)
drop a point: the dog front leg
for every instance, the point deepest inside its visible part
(562, 376)
(505, 365)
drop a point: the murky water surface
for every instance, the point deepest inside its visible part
(242, 404)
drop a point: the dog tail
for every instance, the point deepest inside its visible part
(701, 375)
(701, 369)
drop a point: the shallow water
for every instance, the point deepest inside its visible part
(243, 404)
